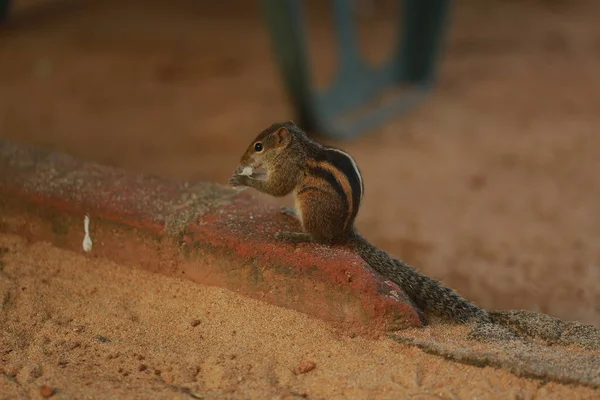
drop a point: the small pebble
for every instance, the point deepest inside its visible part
(46, 391)
(304, 366)
(195, 322)
(142, 367)
(12, 370)
(102, 339)
(35, 371)
(74, 345)
(477, 182)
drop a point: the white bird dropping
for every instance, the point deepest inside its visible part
(87, 241)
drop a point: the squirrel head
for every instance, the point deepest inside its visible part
(262, 152)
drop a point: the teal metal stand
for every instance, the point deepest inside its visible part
(4, 7)
(340, 110)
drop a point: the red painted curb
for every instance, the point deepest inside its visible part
(204, 232)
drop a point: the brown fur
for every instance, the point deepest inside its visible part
(345, 184)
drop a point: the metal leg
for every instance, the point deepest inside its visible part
(332, 111)
(4, 7)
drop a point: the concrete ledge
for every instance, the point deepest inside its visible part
(203, 232)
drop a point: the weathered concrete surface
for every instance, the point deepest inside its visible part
(543, 348)
(204, 232)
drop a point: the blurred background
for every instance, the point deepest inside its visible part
(491, 184)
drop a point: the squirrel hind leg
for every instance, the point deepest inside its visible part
(323, 219)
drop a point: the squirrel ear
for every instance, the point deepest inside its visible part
(283, 136)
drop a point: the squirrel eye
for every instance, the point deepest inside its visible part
(258, 147)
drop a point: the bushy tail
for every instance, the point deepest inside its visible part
(426, 292)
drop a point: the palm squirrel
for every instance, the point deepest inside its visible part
(328, 188)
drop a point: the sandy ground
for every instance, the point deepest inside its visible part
(491, 186)
(92, 329)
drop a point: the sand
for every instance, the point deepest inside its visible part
(490, 186)
(92, 329)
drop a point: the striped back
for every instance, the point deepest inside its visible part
(339, 169)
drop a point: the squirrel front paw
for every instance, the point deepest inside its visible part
(287, 210)
(238, 180)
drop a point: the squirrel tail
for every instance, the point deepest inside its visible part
(426, 292)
